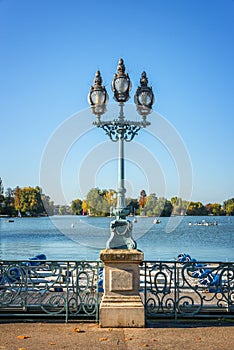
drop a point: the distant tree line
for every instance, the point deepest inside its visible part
(100, 202)
(31, 201)
(26, 201)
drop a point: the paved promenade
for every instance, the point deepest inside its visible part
(86, 336)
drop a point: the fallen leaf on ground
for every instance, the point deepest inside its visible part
(102, 339)
(23, 337)
(77, 330)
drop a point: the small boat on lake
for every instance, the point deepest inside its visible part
(203, 223)
(156, 221)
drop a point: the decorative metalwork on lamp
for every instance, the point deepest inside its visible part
(121, 130)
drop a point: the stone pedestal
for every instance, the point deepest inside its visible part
(121, 305)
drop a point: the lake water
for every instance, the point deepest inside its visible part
(82, 238)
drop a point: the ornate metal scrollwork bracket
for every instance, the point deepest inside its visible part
(126, 130)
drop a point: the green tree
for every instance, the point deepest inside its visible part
(162, 207)
(1, 187)
(133, 205)
(150, 204)
(180, 206)
(28, 200)
(76, 207)
(17, 191)
(98, 202)
(94, 201)
(110, 196)
(2, 203)
(214, 209)
(196, 208)
(228, 206)
(230, 209)
(48, 205)
(9, 202)
(62, 210)
(167, 209)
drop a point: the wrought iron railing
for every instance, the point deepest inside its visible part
(74, 289)
(50, 288)
(187, 289)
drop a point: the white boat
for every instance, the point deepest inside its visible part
(156, 221)
(203, 223)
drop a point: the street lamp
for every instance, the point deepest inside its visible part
(120, 130)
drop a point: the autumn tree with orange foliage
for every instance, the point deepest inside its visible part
(142, 199)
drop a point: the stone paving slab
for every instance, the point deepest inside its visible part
(85, 336)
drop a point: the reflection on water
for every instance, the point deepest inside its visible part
(81, 238)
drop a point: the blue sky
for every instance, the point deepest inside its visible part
(49, 53)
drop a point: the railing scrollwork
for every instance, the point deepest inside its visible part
(50, 288)
(184, 288)
(187, 289)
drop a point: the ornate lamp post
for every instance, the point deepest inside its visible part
(121, 130)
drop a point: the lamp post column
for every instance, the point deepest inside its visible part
(120, 228)
(121, 203)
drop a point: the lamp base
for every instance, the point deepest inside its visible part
(121, 304)
(121, 235)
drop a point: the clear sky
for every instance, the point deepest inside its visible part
(49, 52)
